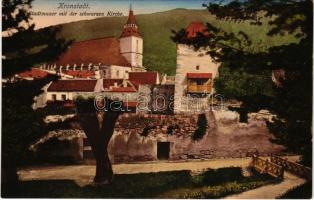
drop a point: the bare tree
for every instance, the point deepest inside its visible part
(98, 127)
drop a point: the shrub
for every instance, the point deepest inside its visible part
(146, 130)
(85, 105)
(201, 127)
(301, 192)
(171, 128)
(218, 176)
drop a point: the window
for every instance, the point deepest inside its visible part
(197, 67)
(137, 46)
(63, 97)
(201, 81)
(54, 97)
(117, 73)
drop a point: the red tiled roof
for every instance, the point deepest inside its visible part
(131, 18)
(194, 28)
(135, 84)
(199, 75)
(88, 86)
(104, 50)
(143, 77)
(130, 28)
(80, 73)
(72, 85)
(33, 73)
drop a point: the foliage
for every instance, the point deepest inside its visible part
(47, 152)
(303, 191)
(66, 124)
(201, 127)
(213, 192)
(146, 130)
(237, 83)
(245, 65)
(22, 48)
(171, 128)
(221, 175)
(168, 184)
(85, 105)
(21, 124)
(56, 108)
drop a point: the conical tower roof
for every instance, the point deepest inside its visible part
(130, 28)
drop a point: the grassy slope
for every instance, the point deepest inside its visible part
(159, 50)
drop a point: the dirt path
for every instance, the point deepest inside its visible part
(84, 174)
(271, 191)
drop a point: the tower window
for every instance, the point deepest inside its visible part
(136, 45)
(197, 67)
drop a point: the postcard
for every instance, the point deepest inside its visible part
(175, 99)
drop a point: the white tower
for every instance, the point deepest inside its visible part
(195, 73)
(131, 43)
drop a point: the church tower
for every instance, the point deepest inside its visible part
(131, 43)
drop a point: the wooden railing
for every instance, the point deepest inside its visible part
(295, 168)
(265, 166)
(199, 88)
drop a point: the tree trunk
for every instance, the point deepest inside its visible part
(99, 128)
(9, 177)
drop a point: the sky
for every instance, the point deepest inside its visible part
(104, 6)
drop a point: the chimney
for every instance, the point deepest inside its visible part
(124, 83)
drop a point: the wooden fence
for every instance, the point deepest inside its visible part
(265, 166)
(295, 168)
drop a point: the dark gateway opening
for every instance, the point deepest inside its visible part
(163, 149)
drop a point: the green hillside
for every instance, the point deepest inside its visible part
(159, 50)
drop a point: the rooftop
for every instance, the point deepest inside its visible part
(143, 78)
(72, 85)
(194, 28)
(199, 75)
(34, 73)
(80, 73)
(130, 28)
(105, 51)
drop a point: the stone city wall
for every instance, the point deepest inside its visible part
(225, 137)
(137, 137)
